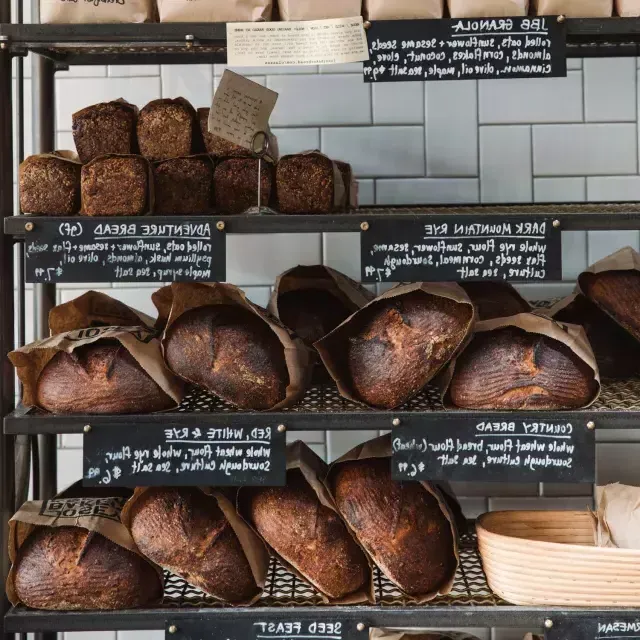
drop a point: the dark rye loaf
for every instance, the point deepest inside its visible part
(495, 299)
(184, 531)
(236, 184)
(49, 186)
(183, 186)
(69, 568)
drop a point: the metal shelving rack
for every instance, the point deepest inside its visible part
(471, 603)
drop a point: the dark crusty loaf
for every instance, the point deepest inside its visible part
(618, 293)
(309, 536)
(105, 128)
(184, 531)
(401, 525)
(183, 186)
(617, 352)
(350, 187)
(215, 145)
(236, 184)
(49, 186)
(231, 352)
(166, 129)
(98, 378)
(115, 186)
(509, 368)
(400, 343)
(69, 568)
(495, 299)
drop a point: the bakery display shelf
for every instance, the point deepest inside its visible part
(572, 217)
(182, 43)
(322, 407)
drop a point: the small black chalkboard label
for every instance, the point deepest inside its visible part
(461, 248)
(519, 449)
(150, 249)
(151, 455)
(614, 626)
(466, 49)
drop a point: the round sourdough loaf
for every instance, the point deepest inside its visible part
(231, 352)
(309, 536)
(495, 299)
(70, 568)
(400, 525)
(99, 378)
(509, 368)
(184, 531)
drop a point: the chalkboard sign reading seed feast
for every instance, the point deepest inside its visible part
(466, 49)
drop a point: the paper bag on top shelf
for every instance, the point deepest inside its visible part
(628, 8)
(83, 12)
(574, 8)
(487, 8)
(215, 10)
(403, 9)
(314, 10)
(617, 517)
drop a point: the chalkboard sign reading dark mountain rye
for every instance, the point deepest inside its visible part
(614, 626)
(149, 249)
(461, 248)
(466, 49)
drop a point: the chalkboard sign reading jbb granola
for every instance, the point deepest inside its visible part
(464, 248)
(466, 49)
(518, 449)
(150, 249)
(615, 626)
(149, 455)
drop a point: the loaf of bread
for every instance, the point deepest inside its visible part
(105, 128)
(183, 186)
(308, 535)
(495, 299)
(236, 185)
(509, 368)
(115, 186)
(215, 145)
(167, 129)
(184, 531)
(574, 8)
(400, 525)
(49, 186)
(229, 351)
(72, 569)
(350, 185)
(98, 378)
(617, 352)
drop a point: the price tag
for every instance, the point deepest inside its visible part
(534, 448)
(464, 248)
(152, 455)
(466, 49)
(605, 627)
(149, 249)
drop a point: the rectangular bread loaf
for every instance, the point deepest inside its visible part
(236, 185)
(183, 185)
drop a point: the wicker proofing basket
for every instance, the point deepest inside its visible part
(544, 558)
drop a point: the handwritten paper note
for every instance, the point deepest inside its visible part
(334, 41)
(240, 109)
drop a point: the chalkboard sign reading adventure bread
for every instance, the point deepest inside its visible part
(461, 248)
(150, 455)
(615, 626)
(150, 249)
(466, 49)
(519, 449)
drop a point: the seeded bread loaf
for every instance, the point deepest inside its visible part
(215, 145)
(236, 184)
(183, 186)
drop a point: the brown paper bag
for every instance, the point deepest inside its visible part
(83, 12)
(403, 9)
(140, 342)
(628, 8)
(215, 10)
(175, 299)
(418, 634)
(95, 309)
(574, 8)
(617, 517)
(314, 469)
(99, 515)
(381, 448)
(332, 348)
(571, 335)
(487, 8)
(314, 10)
(252, 546)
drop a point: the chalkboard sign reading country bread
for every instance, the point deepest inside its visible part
(466, 49)
(149, 249)
(461, 248)
(150, 455)
(614, 626)
(519, 449)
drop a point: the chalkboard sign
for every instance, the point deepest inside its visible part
(521, 449)
(151, 455)
(614, 626)
(466, 49)
(175, 249)
(464, 248)
(288, 625)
